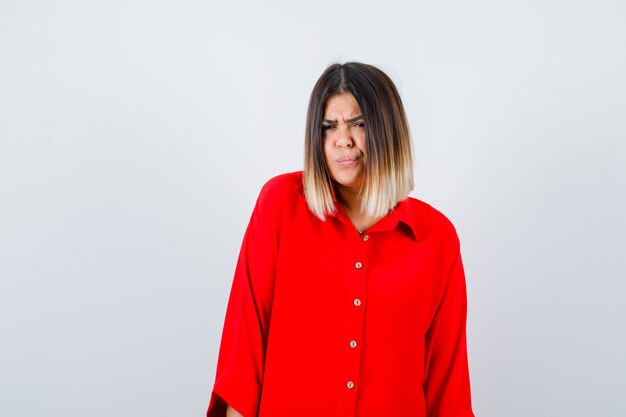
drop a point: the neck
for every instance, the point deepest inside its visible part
(349, 198)
(351, 202)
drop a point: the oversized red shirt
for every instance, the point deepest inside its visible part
(324, 321)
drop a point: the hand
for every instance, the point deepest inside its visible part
(231, 412)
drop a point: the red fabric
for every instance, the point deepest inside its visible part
(286, 346)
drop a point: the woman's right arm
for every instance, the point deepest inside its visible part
(241, 359)
(231, 412)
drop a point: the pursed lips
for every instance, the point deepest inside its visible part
(347, 160)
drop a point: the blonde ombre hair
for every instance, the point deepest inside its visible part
(388, 162)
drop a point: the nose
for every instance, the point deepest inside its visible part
(344, 137)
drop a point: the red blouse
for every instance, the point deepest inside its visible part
(323, 321)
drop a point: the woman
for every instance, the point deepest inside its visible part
(349, 296)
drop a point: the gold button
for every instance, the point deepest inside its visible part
(358, 265)
(357, 302)
(352, 344)
(350, 385)
(365, 238)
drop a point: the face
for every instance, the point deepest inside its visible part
(343, 129)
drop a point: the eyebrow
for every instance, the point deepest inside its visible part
(352, 119)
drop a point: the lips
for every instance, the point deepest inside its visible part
(347, 160)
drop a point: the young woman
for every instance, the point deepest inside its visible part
(349, 296)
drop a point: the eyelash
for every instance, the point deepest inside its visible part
(328, 127)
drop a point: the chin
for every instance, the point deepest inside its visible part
(348, 181)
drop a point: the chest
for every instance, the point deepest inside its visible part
(329, 265)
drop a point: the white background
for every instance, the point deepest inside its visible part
(135, 136)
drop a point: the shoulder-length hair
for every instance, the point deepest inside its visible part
(388, 162)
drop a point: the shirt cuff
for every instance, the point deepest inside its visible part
(236, 389)
(468, 414)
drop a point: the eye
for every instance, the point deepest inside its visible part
(359, 124)
(325, 128)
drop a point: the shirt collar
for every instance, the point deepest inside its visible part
(400, 217)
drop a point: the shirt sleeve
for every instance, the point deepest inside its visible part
(241, 359)
(447, 384)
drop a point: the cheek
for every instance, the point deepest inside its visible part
(327, 150)
(361, 142)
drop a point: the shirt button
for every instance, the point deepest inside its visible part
(350, 384)
(352, 344)
(357, 302)
(365, 238)
(358, 265)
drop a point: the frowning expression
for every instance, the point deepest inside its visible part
(343, 129)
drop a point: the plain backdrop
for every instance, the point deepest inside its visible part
(135, 136)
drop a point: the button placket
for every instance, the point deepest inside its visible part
(355, 330)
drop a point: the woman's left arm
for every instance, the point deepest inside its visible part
(447, 385)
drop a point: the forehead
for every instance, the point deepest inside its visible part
(341, 105)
